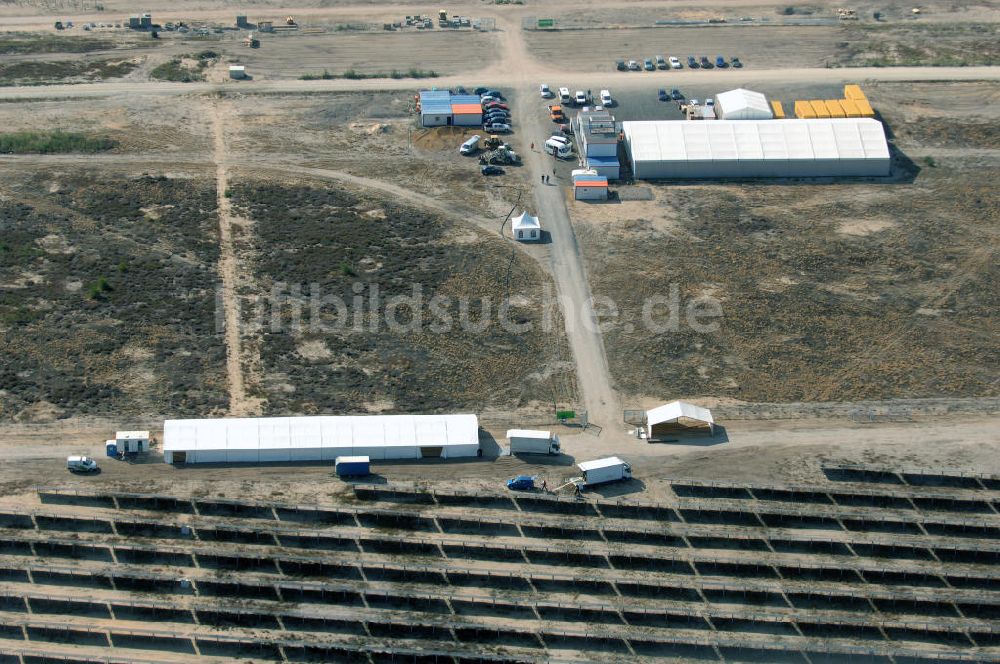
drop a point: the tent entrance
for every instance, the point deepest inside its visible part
(179, 457)
(431, 452)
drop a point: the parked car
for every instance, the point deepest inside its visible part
(634, 66)
(480, 91)
(496, 93)
(606, 99)
(648, 65)
(620, 65)
(496, 104)
(580, 98)
(692, 62)
(498, 128)
(675, 63)
(491, 170)
(486, 99)
(709, 102)
(693, 102)
(497, 116)
(676, 94)
(660, 62)
(461, 91)
(705, 62)
(720, 62)
(545, 91)
(81, 464)
(662, 95)
(521, 483)
(735, 62)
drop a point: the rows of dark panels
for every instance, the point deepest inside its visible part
(540, 504)
(832, 498)
(880, 476)
(255, 650)
(842, 600)
(455, 526)
(508, 635)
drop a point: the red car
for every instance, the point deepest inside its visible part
(496, 104)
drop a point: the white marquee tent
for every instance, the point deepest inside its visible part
(757, 148)
(676, 415)
(526, 227)
(267, 439)
(742, 104)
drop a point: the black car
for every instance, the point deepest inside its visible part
(496, 93)
(461, 91)
(496, 113)
(706, 63)
(676, 94)
(620, 65)
(692, 62)
(662, 95)
(480, 91)
(735, 62)
(491, 170)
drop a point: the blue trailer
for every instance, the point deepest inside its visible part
(352, 466)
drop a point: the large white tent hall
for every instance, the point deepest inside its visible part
(320, 438)
(681, 149)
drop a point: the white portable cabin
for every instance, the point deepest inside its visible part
(435, 108)
(237, 72)
(132, 441)
(320, 438)
(590, 188)
(526, 228)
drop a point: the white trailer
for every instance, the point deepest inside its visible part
(604, 470)
(529, 441)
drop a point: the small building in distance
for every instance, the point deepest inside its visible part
(132, 441)
(742, 104)
(677, 417)
(466, 111)
(237, 72)
(598, 137)
(526, 228)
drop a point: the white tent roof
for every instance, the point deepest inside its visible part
(743, 104)
(320, 431)
(525, 221)
(599, 463)
(675, 409)
(746, 140)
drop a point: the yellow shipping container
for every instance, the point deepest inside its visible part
(850, 108)
(779, 112)
(834, 108)
(819, 108)
(864, 108)
(854, 93)
(804, 110)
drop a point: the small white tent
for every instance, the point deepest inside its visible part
(677, 416)
(526, 227)
(742, 104)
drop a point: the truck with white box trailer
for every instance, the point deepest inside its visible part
(529, 441)
(600, 471)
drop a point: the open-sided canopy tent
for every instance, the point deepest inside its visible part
(757, 148)
(742, 104)
(266, 439)
(677, 416)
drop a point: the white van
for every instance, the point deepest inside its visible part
(557, 148)
(81, 464)
(606, 99)
(564, 95)
(470, 146)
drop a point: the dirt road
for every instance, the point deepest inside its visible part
(506, 74)
(240, 404)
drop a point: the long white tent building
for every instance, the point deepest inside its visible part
(684, 149)
(320, 438)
